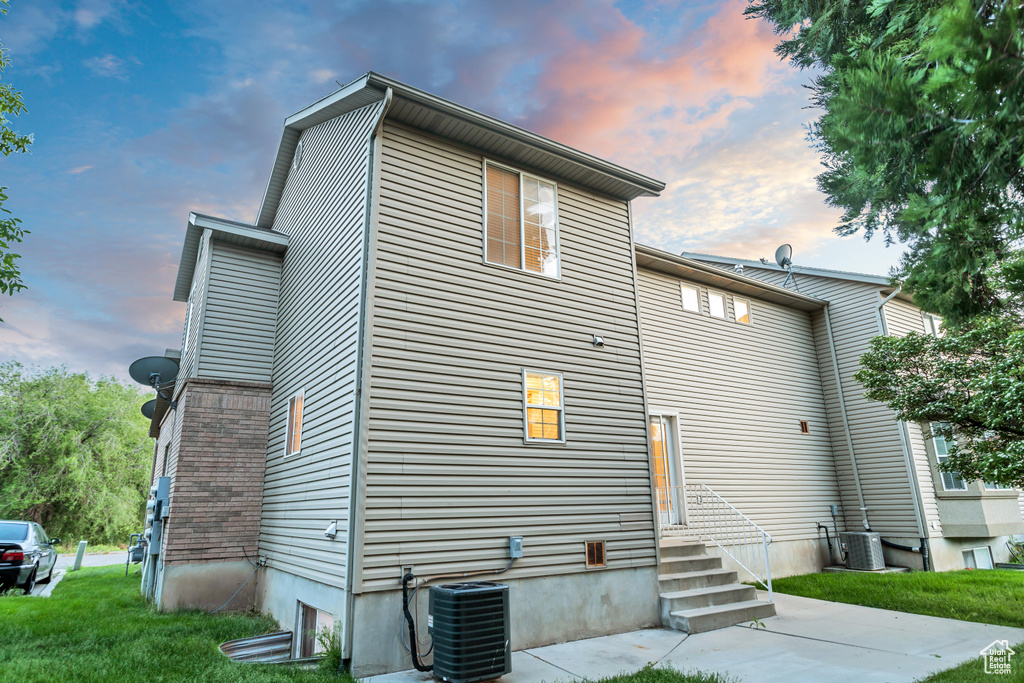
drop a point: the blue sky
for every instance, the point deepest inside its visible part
(143, 111)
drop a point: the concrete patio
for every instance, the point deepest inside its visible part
(810, 640)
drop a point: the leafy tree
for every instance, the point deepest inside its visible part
(968, 385)
(922, 132)
(74, 453)
(11, 142)
(922, 138)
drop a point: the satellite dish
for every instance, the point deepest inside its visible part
(154, 370)
(148, 408)
(784, 256)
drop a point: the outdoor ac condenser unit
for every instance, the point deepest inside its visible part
(864, 550)
(470, 626)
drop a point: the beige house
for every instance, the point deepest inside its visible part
(438, 340)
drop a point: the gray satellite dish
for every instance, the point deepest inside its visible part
(784, 256)
(148, 408)
(154, 370)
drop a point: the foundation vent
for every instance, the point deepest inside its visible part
(595, 553)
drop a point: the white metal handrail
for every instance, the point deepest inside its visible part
(697, 510)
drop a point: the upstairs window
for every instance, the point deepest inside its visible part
(521, 221)
(716, 304)
(293, 439)
(544, 410)
(742, 310)
(951, 481)
(691, 298)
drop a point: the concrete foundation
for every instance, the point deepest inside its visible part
(206, 586)
(279, 594)
(787, 558)
(543, 611)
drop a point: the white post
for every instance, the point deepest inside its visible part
(79, 555)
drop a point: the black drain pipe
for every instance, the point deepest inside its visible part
(413, 649)
(923, 549)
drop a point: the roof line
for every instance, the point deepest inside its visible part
(806, 270)
(694, 265)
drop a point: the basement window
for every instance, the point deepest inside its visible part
(317, 626)
(978, 558)
(293, 439)
(595, 554)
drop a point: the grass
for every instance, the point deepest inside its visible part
(72, 548)
(96, 627)
(988, 597)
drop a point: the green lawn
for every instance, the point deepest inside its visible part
(96, 627)
(988, 597)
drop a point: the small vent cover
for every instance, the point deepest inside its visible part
(595, 553)
(470, 626)
(864, 551)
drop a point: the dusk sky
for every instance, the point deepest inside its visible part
(143, 111)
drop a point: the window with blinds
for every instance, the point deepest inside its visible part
(544, 413)
(521, 222)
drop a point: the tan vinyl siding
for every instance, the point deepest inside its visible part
(241, 314)
(889, 497)
(188, 367)
(449, 477)
(901, 318)
(740, 392)
(323, 211)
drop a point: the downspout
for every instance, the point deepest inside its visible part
(359, 410)
(905, 444)
(846, 419)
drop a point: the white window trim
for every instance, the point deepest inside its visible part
(725, 305)
(288, 421)
(974, 551)
(522, 222)
(750, 311)
(561, 408)
(700, 299)
(188, 321)
(939, 460)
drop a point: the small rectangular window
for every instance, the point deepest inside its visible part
(595, 554)
(805, 428)
(542, 395)
(716, 304)
(742, 309)
(294, 427)
(521, 225)
(691, 298)
(933, 325)
(951, 481)
(316, 627)
(978, 558)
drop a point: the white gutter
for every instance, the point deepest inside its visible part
(904, 433)
(360, 418)
(846, 419)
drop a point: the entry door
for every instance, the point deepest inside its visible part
(668, 479)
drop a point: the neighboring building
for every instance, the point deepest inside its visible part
(396, 367)
(887, 469)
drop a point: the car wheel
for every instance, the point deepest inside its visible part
(30, 584)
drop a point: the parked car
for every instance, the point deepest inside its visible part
(27, 555)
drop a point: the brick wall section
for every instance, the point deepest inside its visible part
(217, 484)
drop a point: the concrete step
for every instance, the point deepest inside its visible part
(688, 549)
(715, 617)
(674, 601)
(693, 563)
(682, 581)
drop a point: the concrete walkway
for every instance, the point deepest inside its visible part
(810, 640)
(65, 562)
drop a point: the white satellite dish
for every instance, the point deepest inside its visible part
(784, 256)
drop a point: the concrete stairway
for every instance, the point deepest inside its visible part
(697, 595)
